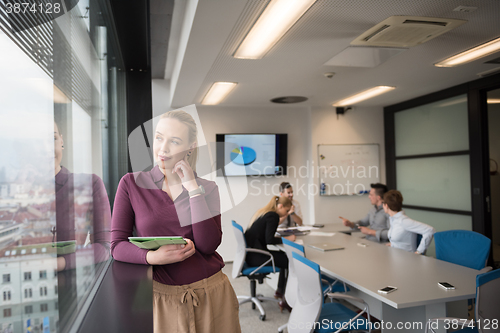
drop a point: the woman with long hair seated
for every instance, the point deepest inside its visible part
(261, 231)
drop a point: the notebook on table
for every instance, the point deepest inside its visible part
(325, 246)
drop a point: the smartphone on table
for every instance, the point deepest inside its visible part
(386, 290)
(446, 285)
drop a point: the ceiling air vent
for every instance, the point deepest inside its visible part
(406, 31)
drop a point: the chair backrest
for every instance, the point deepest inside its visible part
(462, 247)
(291, 282)
(241, 245)
(488, 300)
(309, 301)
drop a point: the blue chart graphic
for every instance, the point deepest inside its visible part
(243, 155)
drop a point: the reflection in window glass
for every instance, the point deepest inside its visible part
(54, 172)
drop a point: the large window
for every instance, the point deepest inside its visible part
(62, 98)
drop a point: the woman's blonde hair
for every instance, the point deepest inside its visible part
(187, 120)
(271, 206)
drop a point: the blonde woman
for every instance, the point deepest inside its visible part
(190, 292)
(261, 232)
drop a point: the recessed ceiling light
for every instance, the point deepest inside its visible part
(218, 92)
(289, 99)
(278, 17)
(364, 95)
(472, 54)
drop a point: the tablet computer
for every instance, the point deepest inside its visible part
(325, 246)
(153, 243)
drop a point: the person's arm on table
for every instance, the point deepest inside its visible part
(381, 234)
(363, 222)
(296, 218)
(296, 213)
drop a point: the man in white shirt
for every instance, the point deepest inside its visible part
(294, 216)
(403, 231)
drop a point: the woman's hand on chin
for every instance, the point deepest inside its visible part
(186, 174)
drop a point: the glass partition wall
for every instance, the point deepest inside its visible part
(62, 133)
(432, 163)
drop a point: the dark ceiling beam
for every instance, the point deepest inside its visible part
(161, 20)
(132, 23)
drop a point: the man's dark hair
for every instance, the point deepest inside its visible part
(284, 186)
(380, 189)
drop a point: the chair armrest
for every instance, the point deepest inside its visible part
(271, 259)
(462, 321)
(485, 270)
(248, 249)
(354, 299)
(328, 289)
(325, 282)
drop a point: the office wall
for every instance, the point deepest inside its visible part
(295, 121)
(358, 126)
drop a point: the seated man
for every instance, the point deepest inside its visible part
(404, 230)
(376, 224)
(294, 216)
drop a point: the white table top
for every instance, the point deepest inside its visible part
(371, 268)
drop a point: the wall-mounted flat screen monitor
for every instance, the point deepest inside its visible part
(251, 154)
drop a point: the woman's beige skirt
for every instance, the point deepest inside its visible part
(206, 306)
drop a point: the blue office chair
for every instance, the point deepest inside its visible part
(487, 307)
(309, 307)
(463, 247)
(254, 274)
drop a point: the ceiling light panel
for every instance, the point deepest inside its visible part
(278, 17)
(470, 55)
(218, 92)
(364, 95)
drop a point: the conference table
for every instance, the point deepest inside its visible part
(368, 268)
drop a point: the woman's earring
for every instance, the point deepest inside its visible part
(189, 153)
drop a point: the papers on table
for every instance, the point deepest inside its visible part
(299, 228)
(320, 233)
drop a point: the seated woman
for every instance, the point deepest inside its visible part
(403, 231)
(260, 232)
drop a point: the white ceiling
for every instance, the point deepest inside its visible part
(213, 29)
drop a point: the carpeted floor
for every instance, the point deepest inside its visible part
(249, 319)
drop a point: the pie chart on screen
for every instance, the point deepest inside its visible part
(243, 155)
